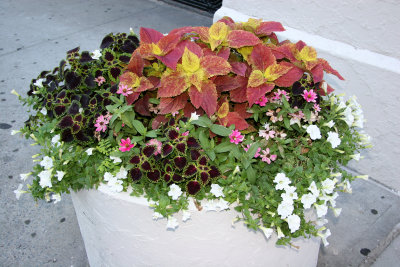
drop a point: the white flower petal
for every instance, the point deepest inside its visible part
(172, 223)
(174, 191)
(216, 190)
(186, 215)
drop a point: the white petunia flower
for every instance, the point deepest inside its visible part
(96, 54)
(321, 222)
(174, 191)
(186, 215)
(267, 231)
(359, 122)
(329, 124)
(290, 194)
(25, 176)
(293, 222)
(115, 185)
(308, 200)
(56, 198)
(280, 233)
(15, 92)
(157, 215)
(324, 236)
(328, 185)
(172, 223)
(236, 170)
(210, 205)
(108, 176)
(45, 178)
(348, 116)
(89, 151)
(60, 175)
(334, 139)
(266, 126)
(313, 189)
(194, 116)
(285, 209)
(122, 174)
(330, 199)
(47, 163)
(14, 132)
(18, 192)
(347, 187)
(115, 159)
(216, 190)
(43, 111)
(281, 181)
(39, 83)
(55, 141)
(337, 211)
(314, 132)
(321, 209)
(222, 204)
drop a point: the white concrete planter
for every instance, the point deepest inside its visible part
(118, 230)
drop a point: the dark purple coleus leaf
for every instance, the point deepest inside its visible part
(74, 108)
(181, 147)
(76, 128)
(148, 151)
(109, 56)
(193, 187)
(146, 166)
(204, 177)
(66, 122)
(190, 170)
(135, 174)
(115, 72)
(194, 154)
(167, 177)
(107, 41)
(85, 57)
(203, 160)
(154, 176)
(81, 136)
(89, 81)
(177, 178)
(173, 134)
(59, 110)
(166, 150)
(128, 47)
(171, 122)
(168, 168)
(67, 136)
(135, 160)
(180, 162)
(72, 80)
(214, 172)
(192, 142)
(124, 59)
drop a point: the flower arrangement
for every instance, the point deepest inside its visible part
(225, 117)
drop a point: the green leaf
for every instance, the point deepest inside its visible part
(204, 141)
(137, 138)
(224, 147)
(286, 121)
(220, 130)
(115, 100)
(118, 126)
(252, 150)
(139, 127)
(154, 101)
(152, 134)
(211, 154)
(203, 122)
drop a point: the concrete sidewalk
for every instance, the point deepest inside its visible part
(35, 36)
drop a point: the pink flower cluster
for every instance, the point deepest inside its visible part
(102, 122)
(267, 157)
(309, 96)
(262, 101)
(126, 145)
(257, 154)
(124, 90)
(100, 80)
(236, 137)
(278, 95)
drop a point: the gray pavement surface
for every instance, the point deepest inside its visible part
(35, 34)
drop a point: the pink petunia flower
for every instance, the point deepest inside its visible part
(317, 108)
(262, 101)
(185, 133)
(257, 154)
(273, 114)
(236, 137)
(124, 90)
(101, 124)
(266, 157)
(108, 117)
(126, 145)
(267, 134)
(278, 95)
(157, 144)
(100, 80)
(309, 96)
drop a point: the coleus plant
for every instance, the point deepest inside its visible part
(226, 116)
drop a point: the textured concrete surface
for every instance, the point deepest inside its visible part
(35, 36)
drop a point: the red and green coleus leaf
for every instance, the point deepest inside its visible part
(172, 84)
(261, 28)
(255, 93)
(239, 38)
(234, 118)
(290, 77)
(137, 83)
(172, 104)
(205, 98)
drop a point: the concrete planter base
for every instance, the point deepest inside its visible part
(118, 230)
